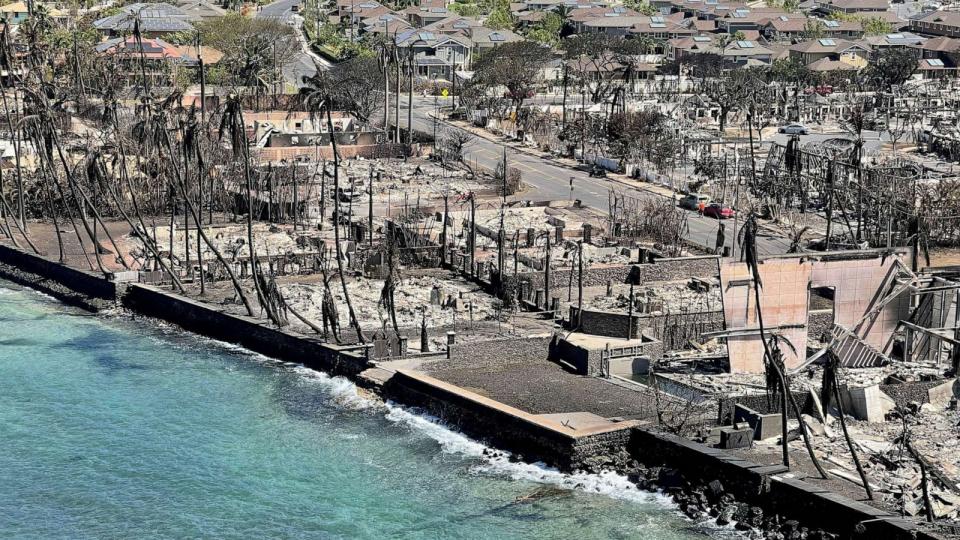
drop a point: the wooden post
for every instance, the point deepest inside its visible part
(370, 206)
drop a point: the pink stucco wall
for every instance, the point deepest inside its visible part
(860, 280)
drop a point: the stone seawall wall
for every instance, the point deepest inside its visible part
(760, 485)
(505, 427)
(249, 333)
(76, 287)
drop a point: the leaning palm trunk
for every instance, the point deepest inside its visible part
(830, 378)
(216, 252)
(749, 251)
(336, 227)
(94, 168)
(233, 123)
(83, 199)
(19, 226)
(52, 178)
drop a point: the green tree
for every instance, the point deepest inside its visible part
(875, 26)
(892, 66)
(547, 31)
(813, 29)
(465, 9)
(641, 6)
(516, 66)
(500, 18)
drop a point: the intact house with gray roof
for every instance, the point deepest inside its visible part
(156, 20)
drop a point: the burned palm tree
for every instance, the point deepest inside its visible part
(777, 381)
(318, 100)
(390, 284)
(831, 391)
(156, 127)
(232, 124)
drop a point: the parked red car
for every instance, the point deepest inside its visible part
(719, 211)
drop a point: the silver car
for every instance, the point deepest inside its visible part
(794, 129)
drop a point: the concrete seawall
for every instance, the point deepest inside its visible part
(249, 333)
(530, 436)
(75, 287)
(533, 437)
(770, 487)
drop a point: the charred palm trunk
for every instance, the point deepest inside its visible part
(336, 228)
(830, 377)
(216, 252)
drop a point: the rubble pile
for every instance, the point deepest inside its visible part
(230, 240)
(440, 301)
(662, 298)
(892, 471)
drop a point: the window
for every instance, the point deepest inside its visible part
(935, 62)
(827, 42)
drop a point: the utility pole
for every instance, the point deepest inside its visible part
(396, 111)
(296, 199)
(410, 103)
(386, 84)
(579, 282)
(563, 106)
(473, 233)
(546, 277)
(370, 205)
(443, 230)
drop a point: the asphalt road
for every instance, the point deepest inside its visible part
(303, 64)
(548, 180)
(545, 179)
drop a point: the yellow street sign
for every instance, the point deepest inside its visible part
(444, 92)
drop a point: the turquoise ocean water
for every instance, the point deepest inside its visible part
(112, 427)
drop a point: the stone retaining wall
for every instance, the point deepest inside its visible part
(499, 425)
(761, 485)
(249, 333)
(76, 287)
(706, 267)
(614, 324)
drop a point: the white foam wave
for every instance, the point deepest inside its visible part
(496, 462)
(342, 392)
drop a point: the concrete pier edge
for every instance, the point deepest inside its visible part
(533, 438)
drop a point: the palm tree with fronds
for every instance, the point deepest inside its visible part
(776, 378)
(564, 11)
